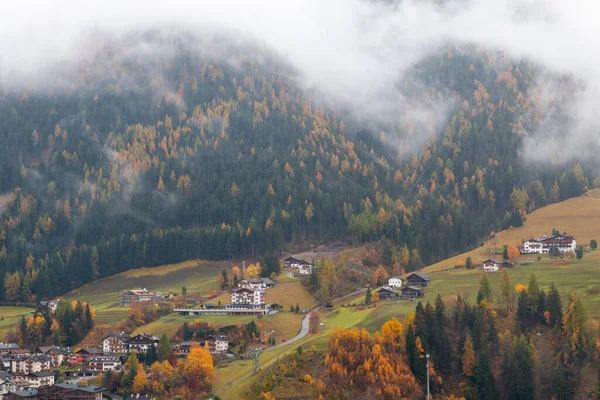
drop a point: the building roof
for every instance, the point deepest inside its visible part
(495, 261)
(420, 275)
(90, 350)
(413, 288)
(103, 359)
(139, 291)
(25, 393)
(143, 337)
(292, 259)
(388, 289)
(42, 374)
(34, 357)
(396, 277)
(121, 335)
(74, 386)
(240, 290)
(252, 280)
(267, 281)
(9, 346)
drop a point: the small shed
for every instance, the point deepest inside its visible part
(412, 292)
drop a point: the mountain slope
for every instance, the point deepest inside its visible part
(142, 160)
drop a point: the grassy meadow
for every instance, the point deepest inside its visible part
(579, 217)
(10, 316)
(104, 295)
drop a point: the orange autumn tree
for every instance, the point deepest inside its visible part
(381, 276)
(357, 361)
(512, 251)
(197, 371)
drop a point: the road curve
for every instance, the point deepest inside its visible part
(303, 331)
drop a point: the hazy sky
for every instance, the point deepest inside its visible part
(352, 51)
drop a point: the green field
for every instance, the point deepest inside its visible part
(105, 294)
(10, 316)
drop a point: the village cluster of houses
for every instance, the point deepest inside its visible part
(247, 299)
(31, 375)
(303, 267)
(543, 244)
(408, 288)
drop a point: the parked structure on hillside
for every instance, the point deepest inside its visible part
(115, 343)
(418, 279)
(255, 283)
(491, 265)
(305, 268)
(141, 342)
(396, 282)
(412, 292)
(542, 245)
(137, 297)
(248, 297)
(388, 293)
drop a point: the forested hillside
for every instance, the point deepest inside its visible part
(139, 160)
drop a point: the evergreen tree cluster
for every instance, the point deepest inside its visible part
(196, 158)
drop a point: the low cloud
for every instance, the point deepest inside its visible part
(351, 52)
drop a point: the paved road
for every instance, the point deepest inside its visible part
(303, 331)
(291, 274)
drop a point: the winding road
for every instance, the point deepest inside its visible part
(303, 330)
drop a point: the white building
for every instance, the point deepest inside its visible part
(252, 284)
(305, 268)
(293, 262)
(39, 379)
(247, 296)
(396, 281)
(115, 343)
(102, 363)
(491, 265)
(26, 364)
(542, 245)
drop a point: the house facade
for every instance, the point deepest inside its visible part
(115, 343)
(137, 297)
(25, 364)
(491, 265)
(418, 279)
(102, 363)
(292, 262)
(6, 348)
(412, 292)
(58, 354)
(39, 379)
(388, 293)
(141, 343)
(247, 296)
(252, 284)
(305, 268)
(542, 245)
(396, 281)
(216, 344)
(60, 391)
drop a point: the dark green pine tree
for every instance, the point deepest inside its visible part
(66, 324)
(564, 381)
(151, 355)
(164, 347)
(518, 372)
(554, 307)
(23, 331)
(421, 324)
(368, 296)
(483, 379)
(492, 336)
(505, 253)
(579, 252)
(89, 320)
(523, 314)
(485, 291)
(187, 332)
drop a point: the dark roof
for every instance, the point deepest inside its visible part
(42, 374)
(413, 288)
(74, 386)
(90, 350)
(143, 337)
(420, 275)
(292, 259)
(495, 261)
(25, 393)
(121, 335)
(388, 289)
(34, 357)
(267, 281)
(10, 346)
(103, 358)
